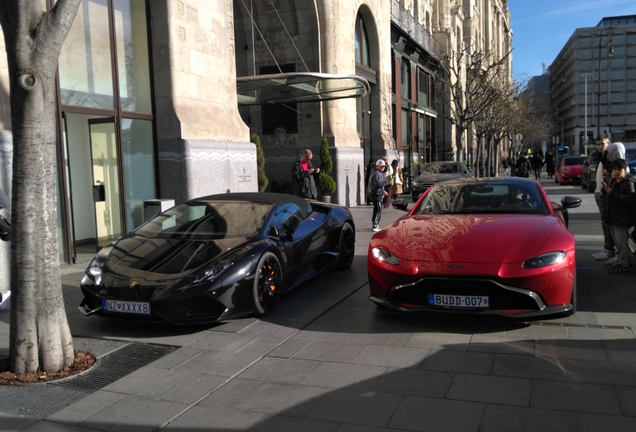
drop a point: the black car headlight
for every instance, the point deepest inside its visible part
(94, 270)
(545, 260)
(385, 256)
(210, 274)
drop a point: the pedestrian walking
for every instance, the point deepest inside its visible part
(398, 180)
(377, 191)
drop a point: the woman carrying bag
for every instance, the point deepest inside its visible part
(396, 188)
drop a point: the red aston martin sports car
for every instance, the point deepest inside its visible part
(480, 246)
(569, 170)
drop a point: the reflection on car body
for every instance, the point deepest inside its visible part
(435, 172)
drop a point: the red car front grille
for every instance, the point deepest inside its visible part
(501, 298)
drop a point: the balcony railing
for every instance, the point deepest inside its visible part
(418, 33)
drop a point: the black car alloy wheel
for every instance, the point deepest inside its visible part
(268, 284)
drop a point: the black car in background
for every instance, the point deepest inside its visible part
(435, 172)
(217, 257)
(588, 172)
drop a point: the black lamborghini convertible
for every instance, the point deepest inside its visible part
(218, 257)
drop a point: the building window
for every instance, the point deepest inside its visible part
(361, 42)
(405, 77)
(406, 127)
(422, 96)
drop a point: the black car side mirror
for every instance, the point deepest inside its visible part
(401, 204)
(568, 202)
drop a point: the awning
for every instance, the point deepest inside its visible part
(299, 87)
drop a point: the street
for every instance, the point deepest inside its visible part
(328, 359)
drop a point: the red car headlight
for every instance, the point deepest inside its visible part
(385, 256)
(545, 260)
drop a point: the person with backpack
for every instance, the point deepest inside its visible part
(523, 166)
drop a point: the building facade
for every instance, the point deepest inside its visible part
(593, 85)
(148, 105)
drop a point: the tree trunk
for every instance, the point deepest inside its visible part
(40, 337)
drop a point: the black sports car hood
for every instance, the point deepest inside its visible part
(137, 256)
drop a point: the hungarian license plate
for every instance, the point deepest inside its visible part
(126, 307)
(458, 301)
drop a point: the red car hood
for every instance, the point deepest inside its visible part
(471, 238)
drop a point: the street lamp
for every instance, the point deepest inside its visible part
(610, 53)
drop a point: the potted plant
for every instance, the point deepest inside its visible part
(260, 163)
(326, 184)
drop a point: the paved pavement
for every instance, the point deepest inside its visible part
(330, 360)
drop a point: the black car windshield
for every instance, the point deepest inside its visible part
(442, 168)
(202, 220)
(499, 197)
(576, 160)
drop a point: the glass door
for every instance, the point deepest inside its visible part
(106, 191)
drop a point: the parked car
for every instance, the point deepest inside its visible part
(569, 170)
(478, 246)
(435, 172)
(630, 154)
(218, 257)
(632, 166)
(588, 172)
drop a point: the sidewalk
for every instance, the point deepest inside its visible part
(329, 360)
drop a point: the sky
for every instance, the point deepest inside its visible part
(542, 27)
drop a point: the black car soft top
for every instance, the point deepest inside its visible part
(261, 198)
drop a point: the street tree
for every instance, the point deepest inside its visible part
(465, 86)
(40, 337)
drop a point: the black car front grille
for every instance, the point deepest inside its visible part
(189, 309)
(417, 295)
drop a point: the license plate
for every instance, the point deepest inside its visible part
(458, 301)
(126, 307)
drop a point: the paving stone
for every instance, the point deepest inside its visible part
(338, 375)
(499, 418)
(593, 398)
(547, 368)
(453, 361)
(429, 414)
(294, 424)
(490, 389)
(231, 393)
(213, 418)
(133, 413)
(340, 352)
(392, 356)
(289, 348)
(359, 407)
(86, 407)
(601, 372)
(414, 382)
(287, 399)
(278, 370)
(574, 349)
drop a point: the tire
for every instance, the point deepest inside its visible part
(590, 187)
(347, 247)
(583, 185)
(268, 285)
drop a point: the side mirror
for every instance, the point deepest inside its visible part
(401, 204)
(568, 202)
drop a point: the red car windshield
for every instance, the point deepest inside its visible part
(578, 160)
(483, 197)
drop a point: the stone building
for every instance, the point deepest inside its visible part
(593, 87)
(150, 106)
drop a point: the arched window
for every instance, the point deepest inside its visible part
(361, 42)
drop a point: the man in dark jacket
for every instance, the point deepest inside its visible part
(620, 212)
(522, 166)
(302, 174)
(376, 192)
